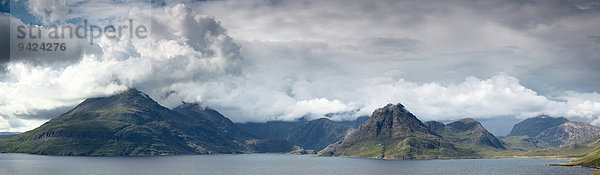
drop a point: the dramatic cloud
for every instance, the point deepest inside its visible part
(30, 90)
(284, 60)
(545, 43)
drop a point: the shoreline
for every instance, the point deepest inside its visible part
(578, 166)
(313, 155)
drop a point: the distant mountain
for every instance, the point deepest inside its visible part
(392, 132)
(4, 135)
(10, 133)
(317, 134)
(471, 134)
(125, 124)
(468, 133)
(355, 123)
(524, 143)
(569, 132)
(555, 131)
(270, 129)
(221, 122)
(533, 126)
(314, 135)
(272, 145)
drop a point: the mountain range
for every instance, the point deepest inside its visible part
(555, 131)
(126, 124)
(130, 123)
(314, 135)
(466, 132)
(533, 126)
(392, 132)
(389, 131)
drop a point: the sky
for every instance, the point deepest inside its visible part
(495, 61)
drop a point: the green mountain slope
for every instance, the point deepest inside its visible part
(394, 133)
(582, 147)
(591, 160)
(234, 132)
(221, 122)
(125, 124)
(524, 143)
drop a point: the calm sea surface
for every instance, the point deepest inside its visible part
(265, 164)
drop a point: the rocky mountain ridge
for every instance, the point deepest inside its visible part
(130, 123)
(392, 132)
(556, 131)
(466, 132)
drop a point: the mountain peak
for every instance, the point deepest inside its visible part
(478, 136)
(124, 101)
(393, 132)
(198, 110)
(395, 121)
(322, 120)
(391, 106)
(130, 91)
(465, 124)
(134, 92)
(195, 106)
(535, 125)
(545, 116)
(126, 123)
(468, 120)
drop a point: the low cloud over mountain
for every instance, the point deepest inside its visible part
(283, 60)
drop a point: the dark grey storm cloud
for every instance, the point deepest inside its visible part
(527, 39)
